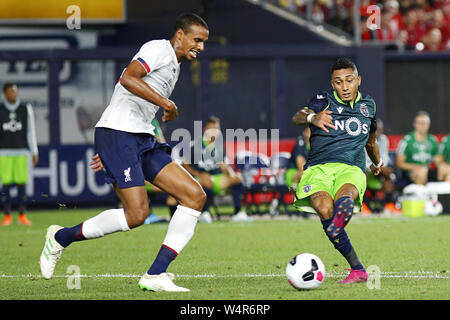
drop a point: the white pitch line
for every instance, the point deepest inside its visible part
(387, 275)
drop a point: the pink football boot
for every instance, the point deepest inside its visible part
(356, 276)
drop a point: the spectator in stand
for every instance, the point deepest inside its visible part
(446, 10)
(404, 6)
(364, 7)
(366, 33)
(395, 18)
(385, 33)
(423, 13)
(340, 16)
(433, 40)
(407, 24)
(414, 29)
(287, 4)
(438, 21)
(318, 12)
(402, 41)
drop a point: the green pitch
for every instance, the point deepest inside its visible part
(230, 261)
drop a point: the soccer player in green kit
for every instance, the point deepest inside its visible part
(342, 124)
(417, 150)
(443, 159)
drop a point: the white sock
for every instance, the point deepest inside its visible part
(107, 222)
(181, 228)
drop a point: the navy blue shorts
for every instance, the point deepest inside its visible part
(130, 158)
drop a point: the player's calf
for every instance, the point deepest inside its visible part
(342, 244)
(180, 231)
(106, 222)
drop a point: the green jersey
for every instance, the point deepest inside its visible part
(345, 144)
(444, 148)
(418, 152)
(158, 132)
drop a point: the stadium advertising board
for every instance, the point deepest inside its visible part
(56, 11)
(63, 177)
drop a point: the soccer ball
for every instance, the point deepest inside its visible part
(305, 271)
(433, 207)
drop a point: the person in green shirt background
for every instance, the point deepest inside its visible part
(417, 150)
(443, 161)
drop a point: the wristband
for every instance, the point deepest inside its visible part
(309, 117)
(379, 164)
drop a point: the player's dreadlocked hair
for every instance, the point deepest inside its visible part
(186, 20)
(343, 63)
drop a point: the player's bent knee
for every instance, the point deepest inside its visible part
(136, 216)
(325, 212)
(420, 175)
(194, 198)
(198, 199)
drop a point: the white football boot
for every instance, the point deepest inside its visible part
(51, 253)
(205, 217)
(160, 283)
(241, 216)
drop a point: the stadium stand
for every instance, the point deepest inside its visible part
(421, 25)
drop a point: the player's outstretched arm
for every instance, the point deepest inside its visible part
(321, 119)
(373, 152)
(132, 81)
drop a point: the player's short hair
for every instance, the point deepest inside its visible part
(423, 113)
(212, 119)
(343, 63)
(8, 85)
(186, 20)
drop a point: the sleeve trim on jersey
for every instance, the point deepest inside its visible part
(144, 64)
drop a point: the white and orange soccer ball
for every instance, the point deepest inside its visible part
(305, 271)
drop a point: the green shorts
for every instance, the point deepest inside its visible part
(14, 169)
(289, 176)
(217, 182)
(328, 177)
(373, 182)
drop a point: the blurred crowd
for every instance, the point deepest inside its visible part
(421, 25)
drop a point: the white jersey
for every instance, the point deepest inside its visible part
(130, 113)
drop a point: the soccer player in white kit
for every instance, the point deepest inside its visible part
(130, 154)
